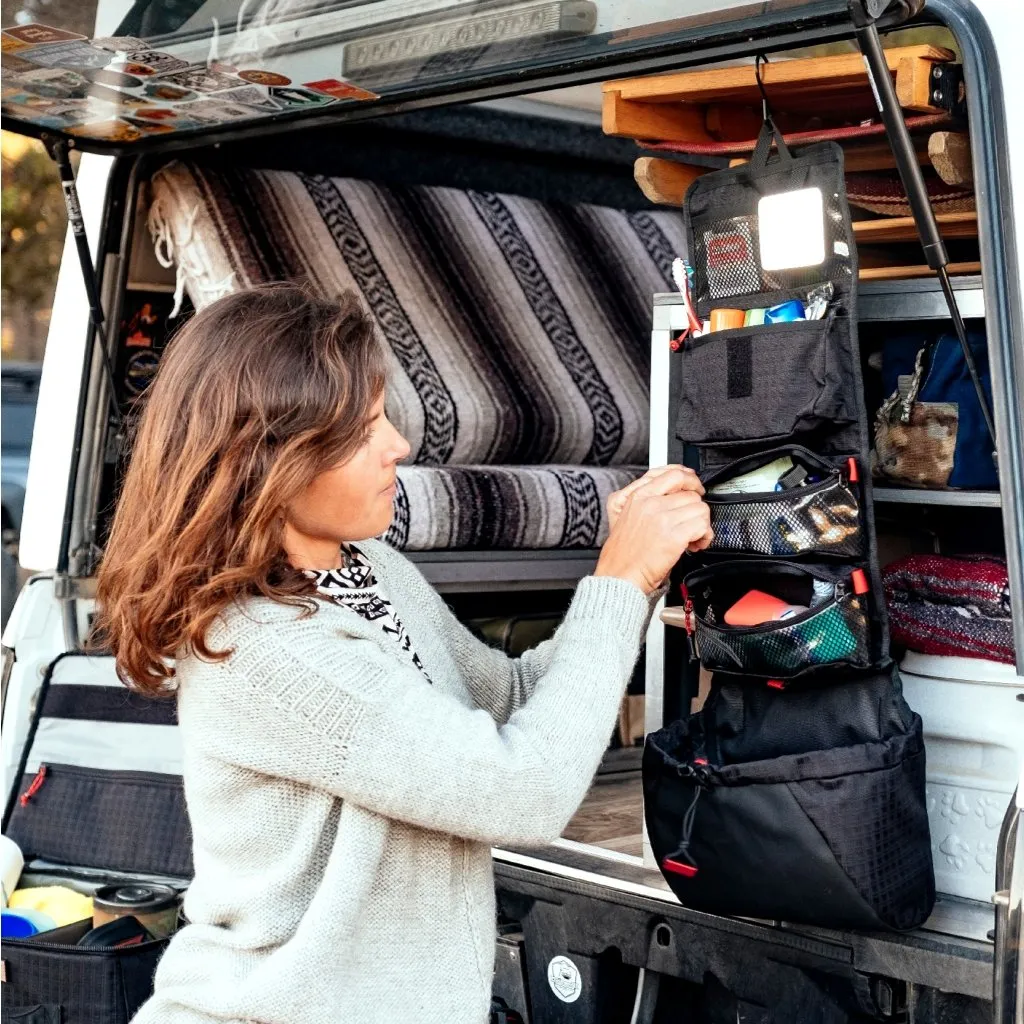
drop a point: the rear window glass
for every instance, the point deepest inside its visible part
(174, 67)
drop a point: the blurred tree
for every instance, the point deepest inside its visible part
(32, 232)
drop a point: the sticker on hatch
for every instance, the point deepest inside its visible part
(564, 979)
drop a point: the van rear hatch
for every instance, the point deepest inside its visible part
(177, 75)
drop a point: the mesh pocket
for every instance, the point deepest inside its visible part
(834, 634)
(824, 519)
(834, 630)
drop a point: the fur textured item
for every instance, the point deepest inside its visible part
(957, 606)
(344, 809)
(919, 452)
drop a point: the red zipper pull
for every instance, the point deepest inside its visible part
(852, 472)
(688, 612)
(34, 786)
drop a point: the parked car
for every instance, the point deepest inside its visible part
(17, 418)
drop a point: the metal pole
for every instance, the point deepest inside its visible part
(58, 150)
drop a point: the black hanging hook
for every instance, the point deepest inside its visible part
(766, 110)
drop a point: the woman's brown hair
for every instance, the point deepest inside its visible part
(257, 394)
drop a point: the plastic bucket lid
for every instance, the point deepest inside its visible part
(16, 925)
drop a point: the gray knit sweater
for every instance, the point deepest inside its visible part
(343, 808)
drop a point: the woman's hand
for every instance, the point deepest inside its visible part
(652, 522)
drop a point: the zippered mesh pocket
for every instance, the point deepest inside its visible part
(836, 634)
(820, 518)
(833, 630)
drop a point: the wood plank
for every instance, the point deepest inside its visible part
(914, 85)
(665, 181)
(738, 85)
(903, 229)
(900, 273)
(652, 121)
(611, 811)
(950, 154)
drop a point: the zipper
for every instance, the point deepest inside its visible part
(834, 476)
(842, 589)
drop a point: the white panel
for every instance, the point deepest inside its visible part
(974, 739)
(113, 746)
(53, 435)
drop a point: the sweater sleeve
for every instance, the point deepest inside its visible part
(348, 719)
(497, 683)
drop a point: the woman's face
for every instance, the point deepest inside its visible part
(348, 502)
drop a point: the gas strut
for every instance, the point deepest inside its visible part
(58, 150)
(864, 13)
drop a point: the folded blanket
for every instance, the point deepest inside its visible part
(959, 606)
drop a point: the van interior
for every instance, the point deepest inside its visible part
(515, 260)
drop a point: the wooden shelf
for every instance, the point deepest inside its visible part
(700, 106)
(903, 229)
(902, 273)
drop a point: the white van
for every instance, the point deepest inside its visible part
(447, 160)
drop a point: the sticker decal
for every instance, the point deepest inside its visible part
(264, 78)
(35, 34)
(295, 97)
(131, 68)
(120, 44)
(341, 90)
(64, 85)
(564, 979)
(107, 131)
(215, 110)
(141, 370)
(161, 63)
(74, 54)
(168, 93)
(150, 127)
(202, 79)
(251, 96)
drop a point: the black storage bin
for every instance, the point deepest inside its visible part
(68, 984)
(835, 837)
(797, 793)
(93, 823)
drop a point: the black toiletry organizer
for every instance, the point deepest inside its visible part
(797, 791)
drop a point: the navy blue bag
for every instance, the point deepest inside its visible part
(931, 432)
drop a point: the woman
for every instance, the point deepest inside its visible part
(351, 751)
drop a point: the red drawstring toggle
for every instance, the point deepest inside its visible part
(859, 579)
(34, 787)
(776, 684)
(678, 868)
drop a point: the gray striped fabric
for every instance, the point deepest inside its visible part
(520, 330)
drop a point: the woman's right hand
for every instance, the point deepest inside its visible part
(661, 517)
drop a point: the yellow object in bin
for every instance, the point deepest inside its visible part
(59, 902)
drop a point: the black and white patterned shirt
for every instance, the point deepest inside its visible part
(356, 587)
